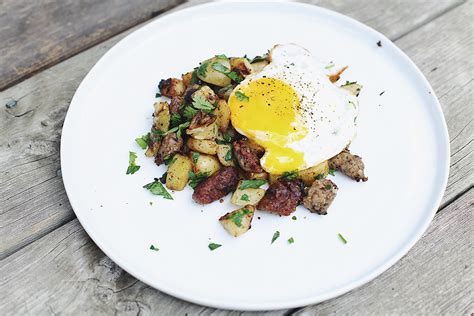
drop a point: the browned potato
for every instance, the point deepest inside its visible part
(241, 66)
(161, 119)
(204, 146)
(209, 74)
(309, 175)
(256, 176)
(222, 112)
(248, 196)
(258, 66)
(204, 132)
(205, 164)
(178, 173)
(171, 87)
(239, 221)
(206, 93)
(224, 156)
(187, 78)
(153, 150)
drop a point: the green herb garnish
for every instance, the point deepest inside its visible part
(169, 159)
(202, 70)
(234, 76)
(251, 184)
(212, 246)
(226, 139)
(157, 188)
(229, 155)
(222, 56)
(290, 175)
(344, 241)
(157, 95)
(195, 179)
(143, 141)
(331, 172)
(294, 218)
(195, 156)
(132, 167)
(245, 197)
(194, 77)
(329, 66)
(348, 83)
(200, 103)
(291, 240)
(258, 58)
(241, 97)
(154, 248)
(220, 68)
(238, 216)
(320, 176)
(328, 187)
(175, 119)
(276, 235)
(189, 112)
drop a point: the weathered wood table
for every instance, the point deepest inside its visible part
(48, 263)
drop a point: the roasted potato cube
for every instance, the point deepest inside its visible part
(152, 149)
(161, 116)
(258, 66)
(222, 112)
(207, 72)
(171, 87)
(203, 146)
(206, 163)
(256, 175)
(187, 77)
(272, 178)
(241, 66)
(309, 175)
(224, 153)
(204, 132)
(178, 172)
(239, 221)
(206, 93)
(248, 196)
(353, 88)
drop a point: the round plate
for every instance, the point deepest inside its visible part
(402, 138)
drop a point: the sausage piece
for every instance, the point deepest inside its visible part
(248, 155)
(216, 186)
(170, 145)
(351, 165)
(176, 104)
(282, 197)
(320, 196)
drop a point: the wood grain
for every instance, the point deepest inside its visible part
(32, 197)
(38, 34)
(64, 272)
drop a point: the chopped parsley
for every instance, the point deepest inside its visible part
(331, 172)
(291, 240)
(344, 241)
(178, 129)
(226, 139)
(245, 197)
(229, 155)
(157, 95)
(331, 65)
(194, 77)
(237, 217)
(349, 83)
(258, 58)
(195, 156)
(251, 184)
(202, 69)
(222, 56)
(294, 218)
(157, 188)
(234, 76)
(200, 103)
(189, 112)
(220, 67)
(143, 141)
(328, 187)
(195, 179)
(132, 167)
(290, 175)
(212, 246)
(276, 235)
(241, 96)
(320, 176)
(154, 248)
(175, 119)
(169, 159)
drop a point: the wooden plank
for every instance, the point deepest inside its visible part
(38, 34)
(30, 131)
(64, 272)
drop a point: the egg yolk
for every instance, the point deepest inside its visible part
(266, 110)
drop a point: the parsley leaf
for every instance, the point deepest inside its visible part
(157, 188)
(195, 179)
(331, 172)
(157, 95)
(189, 112)
(143, 141)
(291, 240)
(238, 216)
(169, 159)
(226, 139)
(259, 58)
(222, 56)
(294, 218)
(199, 102)
(154, 248)
(245, 197)
(330, 66)
(290, 175)
(212, 246)
(194, 77)
(181, 127)
(320, 176)
(202, 70)
(132, 167)
(344, 241)
(175, 119)
(229, 155)
(241, 97)
(251, 184)
(220, 68)
(328, 187)
(195, 156)
(276, 235)
(234, 76)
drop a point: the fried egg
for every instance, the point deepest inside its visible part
(294, 111)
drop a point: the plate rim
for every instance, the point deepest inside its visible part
(290, 303)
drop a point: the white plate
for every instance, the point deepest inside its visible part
(402, 137)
